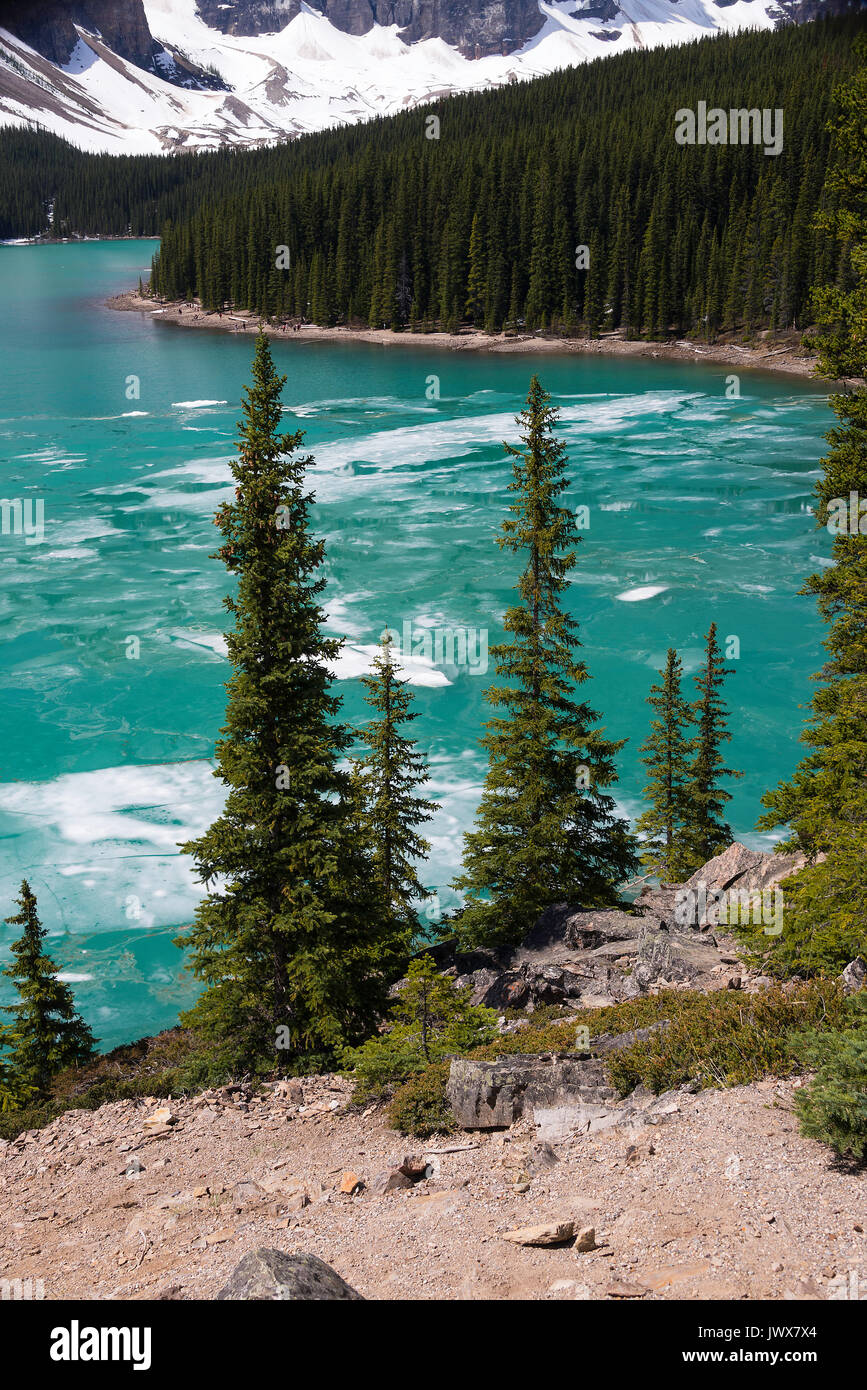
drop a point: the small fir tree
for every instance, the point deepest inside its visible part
(431, 1018)
(705, 799)
(387, 777)
(47, 1034)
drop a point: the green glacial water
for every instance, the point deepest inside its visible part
(698, 510)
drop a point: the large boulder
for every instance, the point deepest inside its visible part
(493, 1095)
(562, 930)
(746, 870)
(673, 956)
(273, 1276)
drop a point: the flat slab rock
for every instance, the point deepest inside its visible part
(552, 1233)
(273, 1276)
(493, 1095)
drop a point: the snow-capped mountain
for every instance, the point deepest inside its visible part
(144, 76)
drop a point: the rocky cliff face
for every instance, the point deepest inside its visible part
(49, 26)
(476, 27)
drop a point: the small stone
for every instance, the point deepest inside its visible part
(160, 1118)
(218, 1237)
(854, 975)
(245, 1192)
(542, 1156)
(553, 1233)
(586, 1240)
(351, 1183)
(620, 1289)
(390, 1180)
(415, 1167)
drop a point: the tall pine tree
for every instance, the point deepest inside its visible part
(668, 751)
(292, 940)
(47, 1033)
(546, 829)
(387, 776)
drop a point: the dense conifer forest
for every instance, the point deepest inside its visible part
(403, 224)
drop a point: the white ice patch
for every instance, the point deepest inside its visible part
(644, 591)
(122, 827)
(356, 660)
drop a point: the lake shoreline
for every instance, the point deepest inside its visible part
(777, 359)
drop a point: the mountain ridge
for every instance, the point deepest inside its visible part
(152, 76)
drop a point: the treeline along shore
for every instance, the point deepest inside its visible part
(778, 353)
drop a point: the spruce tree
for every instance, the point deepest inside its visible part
(833, 1106)
(824, 804)
(47, 1034)
(707, 833)
(292, 940)
(387, 777)
(546, 830)
(668, 751)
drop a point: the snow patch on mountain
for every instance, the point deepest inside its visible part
(309, 75)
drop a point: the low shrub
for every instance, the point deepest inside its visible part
(727, 1038)
(722, 1039)
(420, 1107)
(833, 1106)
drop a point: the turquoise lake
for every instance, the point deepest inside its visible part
(699, 511)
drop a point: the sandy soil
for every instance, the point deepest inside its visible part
(787, 358)
(723, 1199)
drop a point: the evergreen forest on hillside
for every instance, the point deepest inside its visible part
(381, 224)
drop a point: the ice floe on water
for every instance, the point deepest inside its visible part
(119, 826)
(356, 660)
(643, 592)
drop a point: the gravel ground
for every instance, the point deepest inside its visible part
(724, 1199)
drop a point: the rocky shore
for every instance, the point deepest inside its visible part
(786, 357)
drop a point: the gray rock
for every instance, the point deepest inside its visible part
(541, 1157)
(389, 1180)
(273, 1276)
(747, 870)
(673, 955)
(854, 975)
(493, 1095)
(613, 1042)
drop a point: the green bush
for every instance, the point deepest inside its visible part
(833, 1107)
(727, 1038)
(420, 1107)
